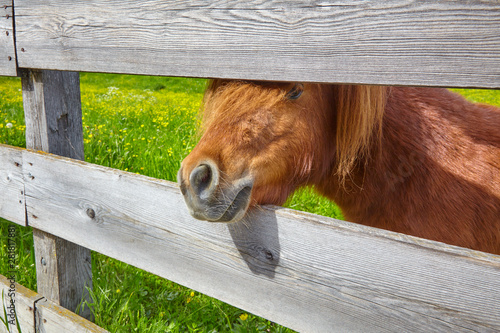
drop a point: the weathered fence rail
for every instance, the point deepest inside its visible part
(306, 272)
(290, 267)
(434, 43)
(36, 314)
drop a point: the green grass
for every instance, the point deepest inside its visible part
(136, 124)
(145, 125)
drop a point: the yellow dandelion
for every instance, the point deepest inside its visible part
(244, 316)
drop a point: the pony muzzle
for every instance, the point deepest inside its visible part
(208, 200)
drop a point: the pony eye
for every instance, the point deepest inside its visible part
(295, 92)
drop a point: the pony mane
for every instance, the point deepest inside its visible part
(360, 110)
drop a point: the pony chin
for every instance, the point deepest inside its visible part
(271, 195)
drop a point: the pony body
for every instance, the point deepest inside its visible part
(420, 161)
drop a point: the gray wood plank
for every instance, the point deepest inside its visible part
(52, 110)
(50, 317)
(8, 66)
(394, 42)
(12, 186)
(307, 272)
(35, 313)
(24, 300)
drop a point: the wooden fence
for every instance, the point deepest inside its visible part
(307, 272)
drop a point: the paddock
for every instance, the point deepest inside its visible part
(306, 272)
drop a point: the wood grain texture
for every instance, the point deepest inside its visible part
(438, 43)
(52, 110)
(37, 314)
(12, 205)
(8, 66)
(310, 273)
(24, 304)
(51, 317)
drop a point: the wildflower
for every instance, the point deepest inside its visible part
(9, 125)
(118, 291)
(244, 316)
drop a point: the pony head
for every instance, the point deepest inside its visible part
(262, 140)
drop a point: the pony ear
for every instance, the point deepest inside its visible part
(360, 110)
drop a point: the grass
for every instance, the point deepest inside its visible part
(145, 125)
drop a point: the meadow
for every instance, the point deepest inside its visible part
(145, 125)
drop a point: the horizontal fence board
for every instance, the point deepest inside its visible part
(50, 317)
(307, 272)
(24, 305)
(395, 42)
(8, 65)
(12, 186)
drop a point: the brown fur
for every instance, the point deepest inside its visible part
(420, 161)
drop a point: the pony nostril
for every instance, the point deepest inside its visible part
(202, 180)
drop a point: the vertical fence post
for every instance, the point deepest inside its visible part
(53, 116)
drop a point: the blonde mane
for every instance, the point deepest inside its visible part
(360, 110)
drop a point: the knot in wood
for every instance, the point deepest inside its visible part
(90, 213)
(269, 255)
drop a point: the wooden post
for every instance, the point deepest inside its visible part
(52, 108)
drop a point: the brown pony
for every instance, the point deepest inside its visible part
(420, 161)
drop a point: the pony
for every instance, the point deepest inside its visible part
(414, 160)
